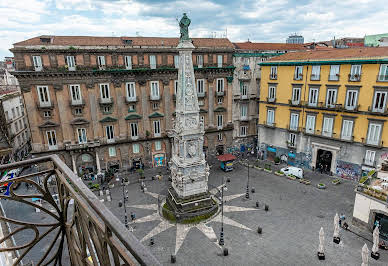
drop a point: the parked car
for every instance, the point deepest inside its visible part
(291, 170)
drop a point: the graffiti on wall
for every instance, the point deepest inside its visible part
(348, 170)
(384, 156)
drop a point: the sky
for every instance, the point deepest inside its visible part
(256, 20)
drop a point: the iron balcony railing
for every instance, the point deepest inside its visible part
(382, 78)
(273, 76)
(315, 77)
(354, 77)
(78, 230)
(334, 77)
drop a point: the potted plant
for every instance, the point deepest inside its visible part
(277, 160)
(141, 173)
(291, 176)
(279, 173)
(336, 181)
(321, 186)
(267, 168)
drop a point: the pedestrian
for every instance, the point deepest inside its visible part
(342, 218)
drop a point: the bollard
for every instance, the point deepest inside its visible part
(226, 251)
(108, 198)
(228, 180)
(253, 190)
(266, 207)
(259, 230)
(101, 193)
(173, 258)
(257, 204)
(107, 192)
(152, 241)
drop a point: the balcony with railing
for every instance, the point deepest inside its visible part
(273, 76)
(201, 94)
(75, 228)
(80, 146)
(45, 105)
(372, 143)
(154, 97)
(244, 75)
(77, 103)
(132, 99)
(298, 76)
(378, 110)
(315, 77)
(354, 77)
(220, 93)
(294, 128)
(269, 124)
(105, 101)
(294, 103)
(271, 100)
(352, 108)
(334, 77)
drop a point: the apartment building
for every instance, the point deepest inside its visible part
(246, 87)
(14, 130)
(326, 109)
(108, 102)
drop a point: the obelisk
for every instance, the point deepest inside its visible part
(189, 169)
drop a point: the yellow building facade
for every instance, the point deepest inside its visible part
(326, 110)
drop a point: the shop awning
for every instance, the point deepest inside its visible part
(226, 157)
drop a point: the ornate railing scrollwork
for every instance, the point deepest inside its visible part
(94, 236)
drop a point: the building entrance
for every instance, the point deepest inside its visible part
(324, 160)
(382, 221)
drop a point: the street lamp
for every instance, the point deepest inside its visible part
(124, 201)
(221, 242)
(247, 191)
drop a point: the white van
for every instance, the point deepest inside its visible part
(291, 170)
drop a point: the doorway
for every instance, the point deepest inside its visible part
(324, 160)
(382, 221)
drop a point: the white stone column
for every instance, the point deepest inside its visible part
(74, 165)
(98, 163)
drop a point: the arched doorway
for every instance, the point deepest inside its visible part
(324, 160)
(86, 164)
(382, 221)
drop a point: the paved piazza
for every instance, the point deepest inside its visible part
(290, 227)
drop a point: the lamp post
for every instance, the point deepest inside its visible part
(221, 242)
(124, 201)
(247, 191)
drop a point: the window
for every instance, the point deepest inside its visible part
(158, 145)
(243, 131)
(219, 60)
(369, 157)
(383, 74)
(270, 117)
(327, 127)
(298, 75)
(200, 86)
(220, 100)
(51, 140)
(16, 127)
(351, 100)
(355, 73)
(244, 111)
(136, 148)
(128, 62)
(176, 61)
(202, 119)
(20, 124)
(155, 105)
(334, 72)
(274, 72)
(296, 95)
(155, 90)
(13, 112)
(271, 93)
(380, 101)
(44, 97)
(105, 92)
(219, 137)
(176, 87)
(200, 61)
(78, 111)
(18, 111)
(315, 72)
(37, 60)
(70, 62)
(152, 61)
(112, 151)
(75, 92)
(244, 89)
(374, 133)
(132, 107)
(109, 130)
(157, 128)
(313, 96)
(134, 130)
(294, 121)
(81, 135)
(220, 121)
(347, 129)
(47, 114)
(131, 91)
(220, 85)
(310, 124)
(22, 109)
(106, 110)
(331, 98)
(291, 140)
(101, 62)
(246, 61)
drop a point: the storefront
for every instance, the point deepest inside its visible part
(271, 153)
(159, 160)
(86, 164)
(291, 158)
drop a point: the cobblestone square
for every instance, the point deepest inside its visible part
(290, 227)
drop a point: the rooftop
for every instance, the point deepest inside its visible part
(268, 46)
(120, 41)
(335, 54)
